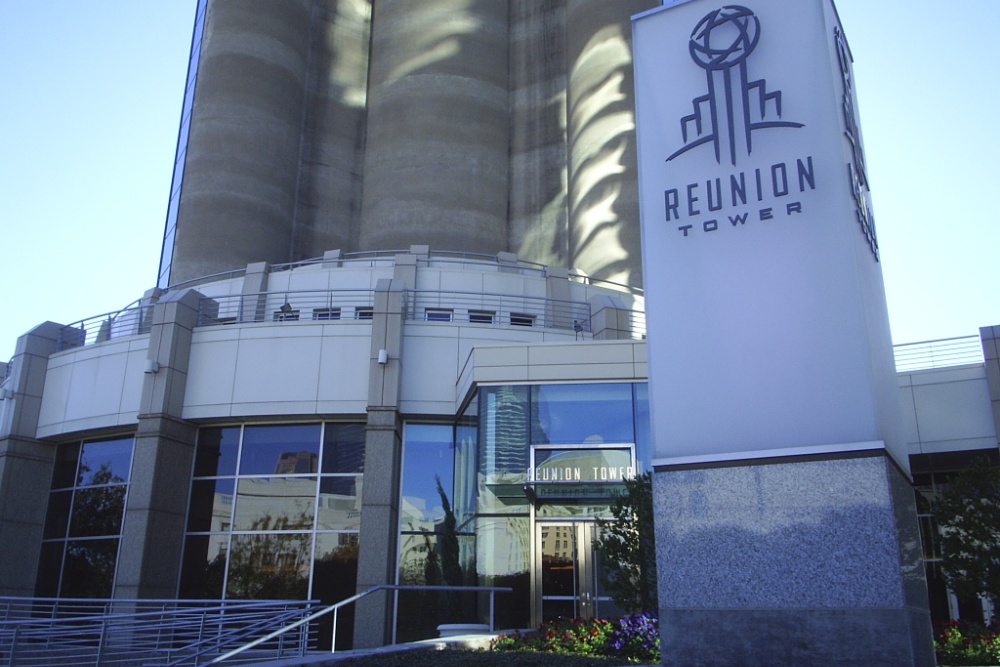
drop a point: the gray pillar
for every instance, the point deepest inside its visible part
(610, 319)
(25, 463)
(333, 128)
(803, 562)
(383, 450)
(990, 337)
(436, 155)
(538, 158)
(241, 172)
(254, 302)
(153, 531)
(558, 312)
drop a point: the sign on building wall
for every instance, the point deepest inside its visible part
(765, 307)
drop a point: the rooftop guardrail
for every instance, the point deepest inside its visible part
(133, 320)
(931, 354)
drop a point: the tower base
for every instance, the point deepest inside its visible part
(791, 561)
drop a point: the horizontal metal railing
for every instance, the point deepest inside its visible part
(132, 320)
(126, 633)
(498, 309)
(320, 305)
(942, 353)
(336, 607)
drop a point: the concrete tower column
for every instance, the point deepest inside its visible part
(241, 174)
(538, 167)
(25, 463)
(436, 159)
(153, 530)
(603, 173)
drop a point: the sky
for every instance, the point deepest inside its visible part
(90, 98)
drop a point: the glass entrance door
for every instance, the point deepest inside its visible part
(566, 572)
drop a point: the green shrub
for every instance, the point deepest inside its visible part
(634, 638)
(960, 643)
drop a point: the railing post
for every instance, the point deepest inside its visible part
(333, 641)
(492, 624)
(13, 647)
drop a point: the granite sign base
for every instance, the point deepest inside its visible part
(791, 562)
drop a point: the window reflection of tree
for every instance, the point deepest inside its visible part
(89, 566)
(270, 565)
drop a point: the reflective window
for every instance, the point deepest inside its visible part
(105, 462)
(428, 469)
(344, 448)
(83, 519)
(582, 413)
(277, 449)
(216, 451)
(275, 512)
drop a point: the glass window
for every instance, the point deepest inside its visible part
(97, 511)
(269, 566)
(265, 446)
(90, 481)
(211, 505)
(481, 316)
(339, 503)
(89, 568)
(67, 458)
(522, 320)
(105, 462)
(364, 313)
(438, 315)
(582, 413)
(343, 448)
(275, 503)
(326, 313)
(428, 470)
(216, 451)
(204, 567)
(335, 575)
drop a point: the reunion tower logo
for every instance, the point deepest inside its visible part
(734, 107)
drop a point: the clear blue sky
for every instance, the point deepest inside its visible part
(90, 95)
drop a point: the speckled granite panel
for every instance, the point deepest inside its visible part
(789, 638)
(810, 534)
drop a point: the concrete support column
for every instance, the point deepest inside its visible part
(383, 451)
(538, 167)
(436, 156)
(558, 313)
(254, 302)
(990, 337)
(25, 463)
(153, 531)
(795, 561)
(242, 167)
(610, 319)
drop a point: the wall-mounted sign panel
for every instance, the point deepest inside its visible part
(767, 326)
(580, 472)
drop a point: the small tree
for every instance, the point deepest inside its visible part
(968, 518)
(627, 548)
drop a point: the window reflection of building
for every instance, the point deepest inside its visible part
(275, 513)
(495, 533)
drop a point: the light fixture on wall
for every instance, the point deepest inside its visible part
(383, 357)
(152, 366)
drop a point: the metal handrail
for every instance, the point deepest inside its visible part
(942, 353)
(88, 632)
(335, 608)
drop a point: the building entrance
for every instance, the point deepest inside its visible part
(567, 572)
